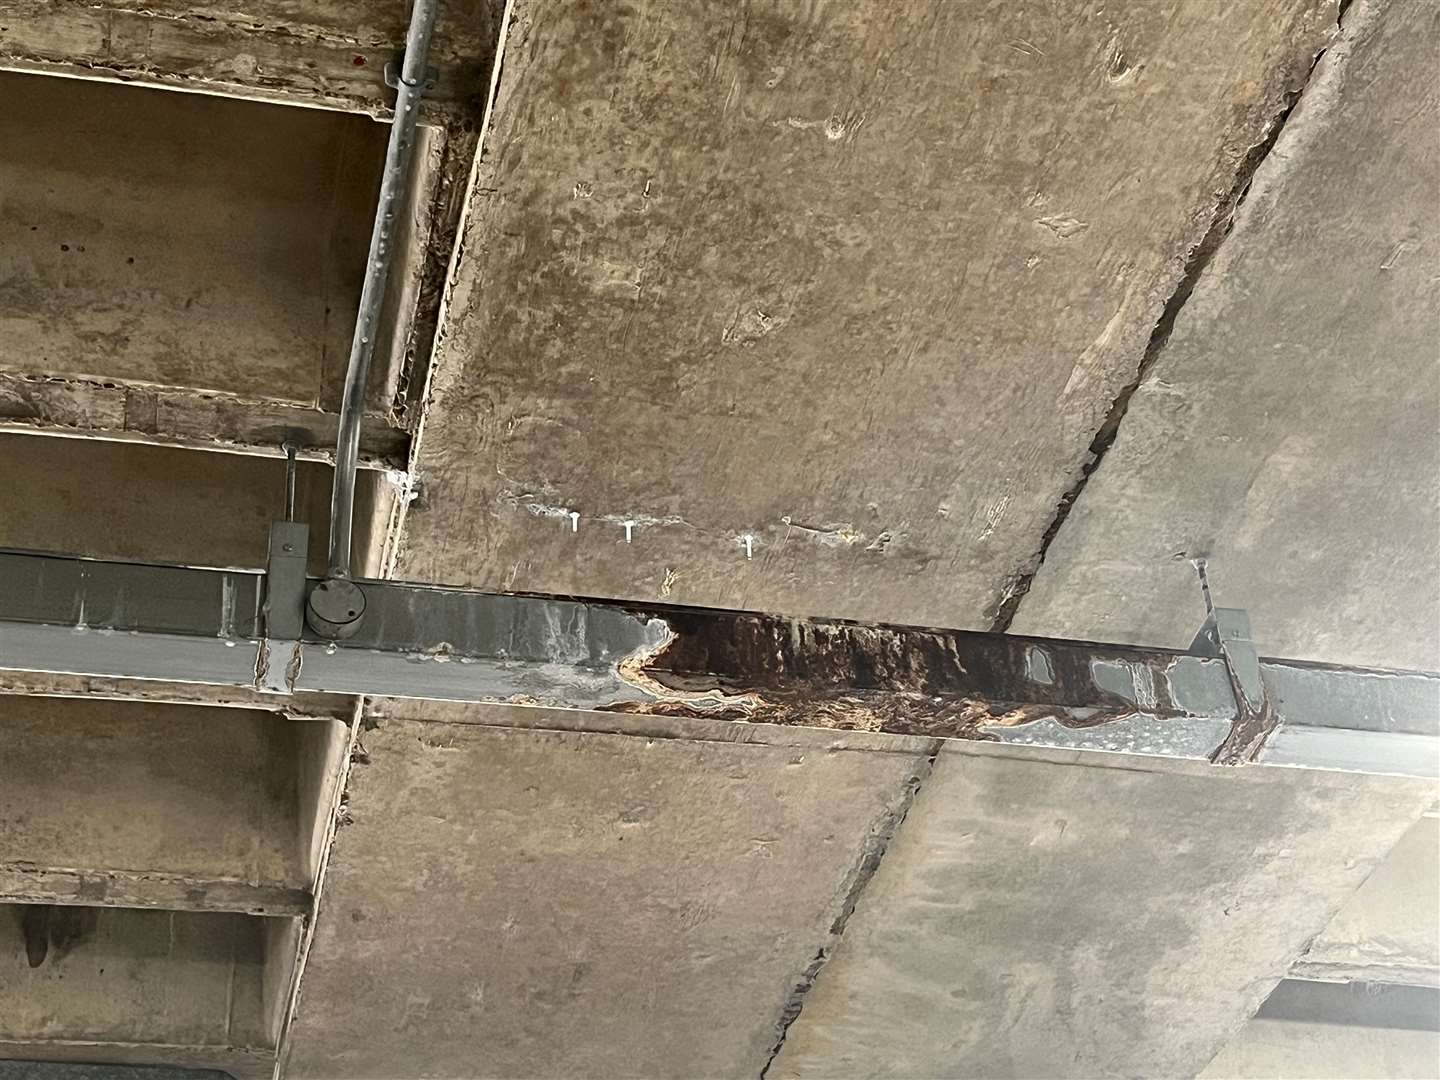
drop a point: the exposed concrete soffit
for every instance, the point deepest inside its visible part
(1199, 259)
(332, 816)
(267, 59)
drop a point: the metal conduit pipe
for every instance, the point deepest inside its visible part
(410, 84)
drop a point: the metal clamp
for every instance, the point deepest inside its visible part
(278, 661)
(393, 69)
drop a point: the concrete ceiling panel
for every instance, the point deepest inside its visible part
(1288, 430)
(857, 282)
(1066, 918)
(506, 902)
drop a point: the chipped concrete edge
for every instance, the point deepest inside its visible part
(22, 883)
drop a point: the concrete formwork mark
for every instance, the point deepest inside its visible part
(1197, 262)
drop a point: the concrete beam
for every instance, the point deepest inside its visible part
(105, 1059)
(1388, 931)
(295, 707)
(1287, 1050)
(1360, 1004)
(23, 884)
(95, 409)
(1333, 1031)
(324, 55)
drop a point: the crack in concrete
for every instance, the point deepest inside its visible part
(877, 843)
(1198, 260)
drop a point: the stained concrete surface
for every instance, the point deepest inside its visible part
(1288, 429)
(1281, 1050)
(465, 30)
(159, 504)
(1051, 915)
(179, 789)
(180, 239)
(234, 1063)
(522, 903)
(856, 281)
(1390, 929)
(19, 1070)
(133, 977)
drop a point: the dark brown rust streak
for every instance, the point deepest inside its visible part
(843, 676)
(1252, 726)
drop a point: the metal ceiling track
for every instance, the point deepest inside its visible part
(1217, 702)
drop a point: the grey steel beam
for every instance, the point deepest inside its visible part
(183, 624)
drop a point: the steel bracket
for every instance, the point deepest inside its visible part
(1226, 634)
(283, 613)
(394, 67)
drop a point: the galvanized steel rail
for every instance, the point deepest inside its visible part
(65, 614)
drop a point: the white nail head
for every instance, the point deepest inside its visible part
(629, 531)
(574, 521)
(749, 546)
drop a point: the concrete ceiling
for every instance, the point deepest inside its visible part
(1288, 429)
(859, 282)
(979, 316)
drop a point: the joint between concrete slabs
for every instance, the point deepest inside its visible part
(1015, 589)
(334, 811)
(871, 855)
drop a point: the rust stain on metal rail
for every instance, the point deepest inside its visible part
(894, 680)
